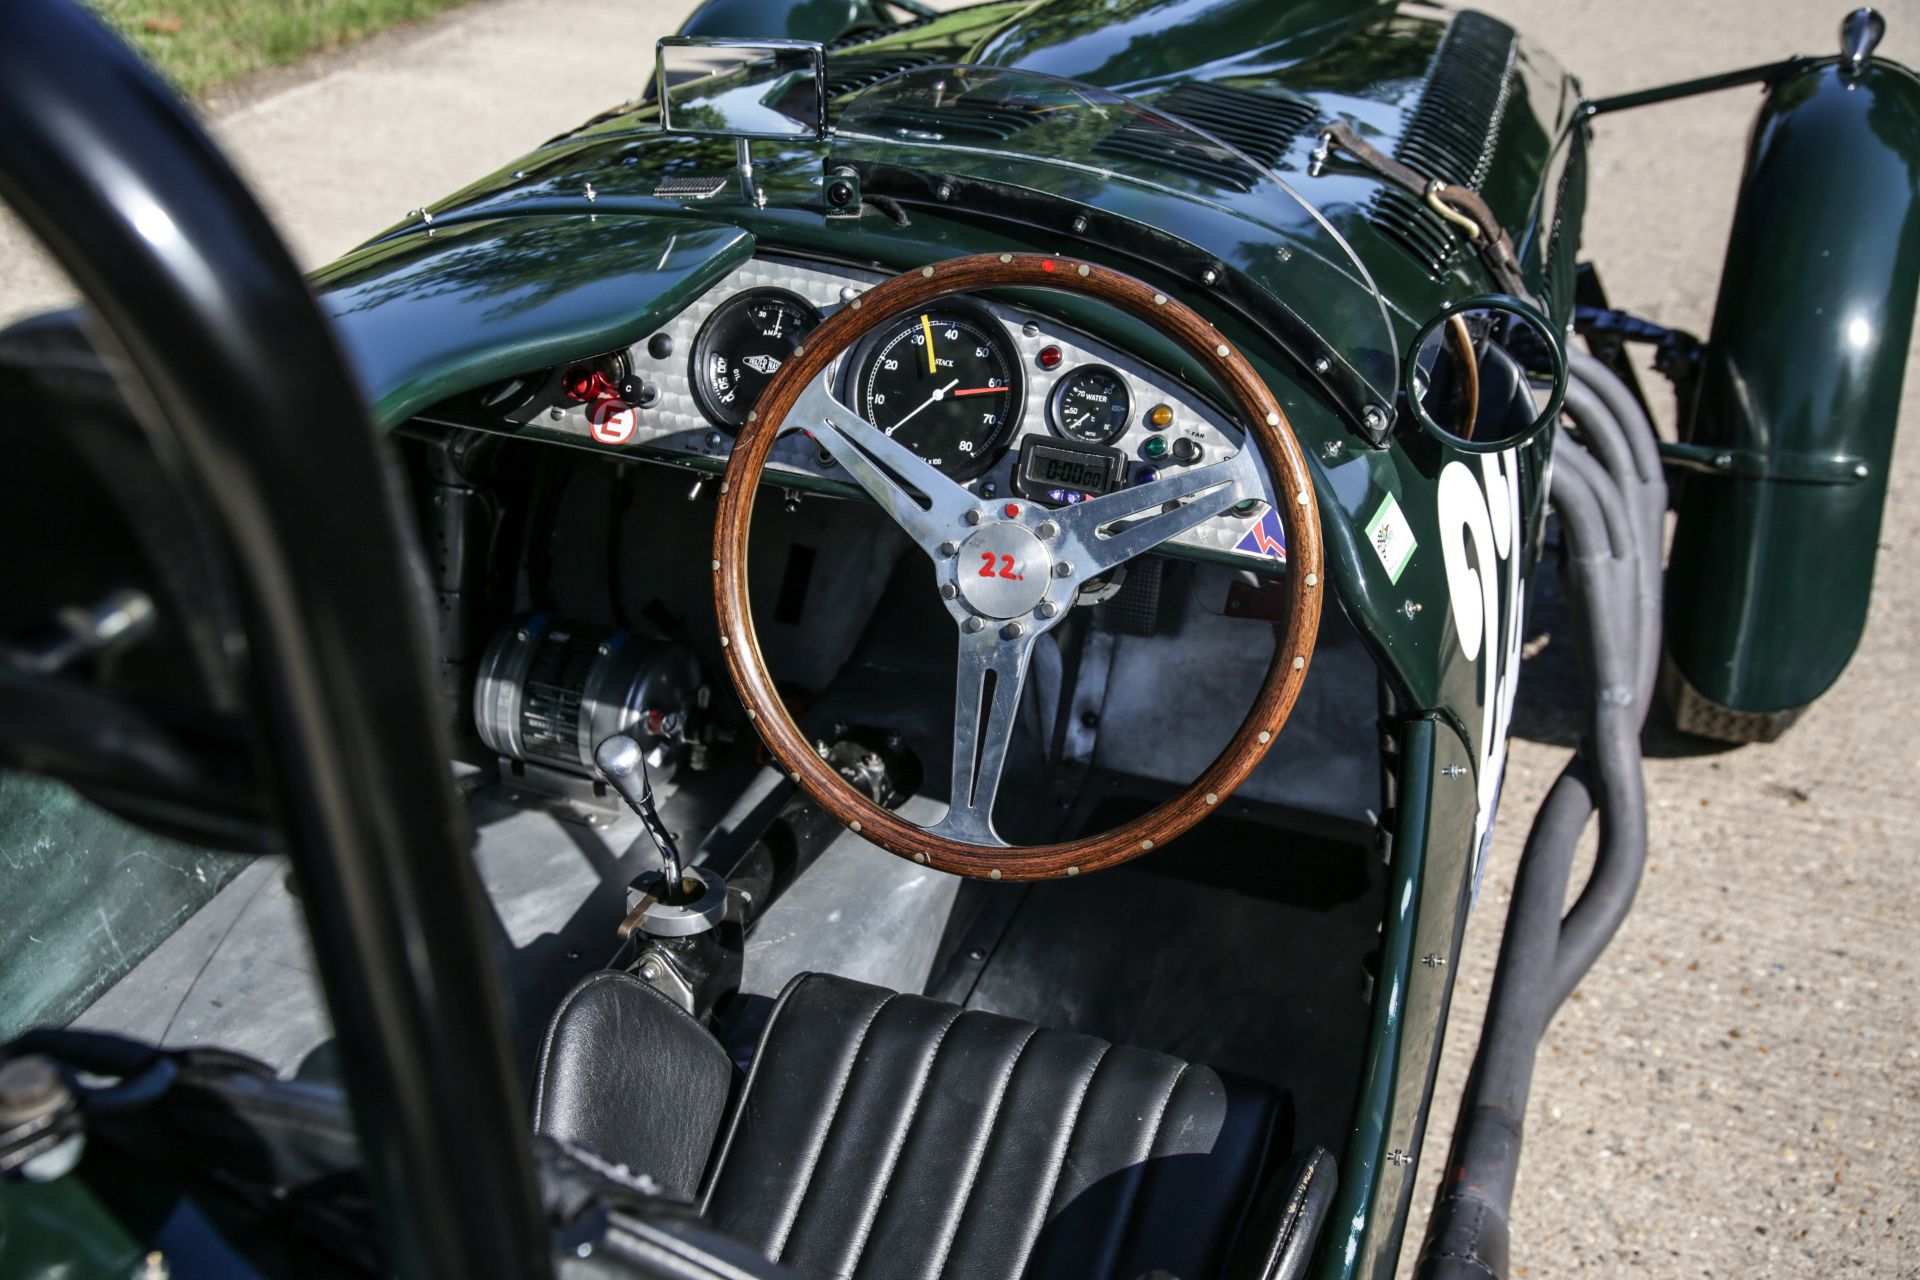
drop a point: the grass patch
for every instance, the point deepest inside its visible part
(200, 44)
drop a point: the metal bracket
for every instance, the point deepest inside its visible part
(1758, 464)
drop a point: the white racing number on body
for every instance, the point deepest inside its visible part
(1480, 546)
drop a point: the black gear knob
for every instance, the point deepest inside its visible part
(624, 765)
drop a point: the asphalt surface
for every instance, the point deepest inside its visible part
(1735, 1090)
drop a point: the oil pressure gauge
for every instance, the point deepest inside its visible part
(1090, 405)
(741, 346)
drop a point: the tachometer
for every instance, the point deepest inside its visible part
(943, 382)
(1090, 405)
(741, 346)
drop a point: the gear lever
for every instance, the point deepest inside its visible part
(624, 766)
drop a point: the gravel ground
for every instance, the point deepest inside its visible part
(1736, 1089)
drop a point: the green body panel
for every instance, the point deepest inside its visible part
(1768, 585)
(1427, 898)
(428, 316)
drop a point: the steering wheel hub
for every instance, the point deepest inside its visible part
(1003, 570)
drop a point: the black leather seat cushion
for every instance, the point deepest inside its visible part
(890, 1135)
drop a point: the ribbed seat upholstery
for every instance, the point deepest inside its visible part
(889, 1135)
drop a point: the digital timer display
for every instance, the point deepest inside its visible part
(1058, 473)
(1090, 474)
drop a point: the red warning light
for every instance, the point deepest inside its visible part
(1046, 264)
(1050, 357)
(1012, 510)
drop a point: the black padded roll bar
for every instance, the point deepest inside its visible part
(256, 415)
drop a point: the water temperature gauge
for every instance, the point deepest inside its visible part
(740, 348)
(1090, 405)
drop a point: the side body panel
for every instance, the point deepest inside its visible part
(1427, 899)
(1768, 586)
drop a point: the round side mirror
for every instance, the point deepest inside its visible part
(1485, 374)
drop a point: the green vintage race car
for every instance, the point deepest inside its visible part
(894, 659)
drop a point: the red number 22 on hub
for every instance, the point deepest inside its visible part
(1007, 567)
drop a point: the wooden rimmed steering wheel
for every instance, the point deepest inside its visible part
(998, 619)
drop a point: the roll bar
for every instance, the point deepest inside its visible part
(257, 417)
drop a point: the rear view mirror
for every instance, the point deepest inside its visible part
(1486, 374)
(744, 89)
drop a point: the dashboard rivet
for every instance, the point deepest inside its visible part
(854, 827)
(855, 304)
(1146, 844)
(1322, 365)
(1080, 225)
(948, 591)
(794, 776)
(752, 714)
(1047, 529)
(1299, 663)
(1073, 871)
(1209, 276)
(1313, 579)
(716, 566)
(1265, 736)
(1086, 270)
(723, 486)
(799, 351)
(944, 191)
(723, 642)
(927, 272)
(1302, 497)
(713, 439)
(1006, 257)
(972, 626)
(1273, 419)
(1159, 299)
(949, 548)
(1220, 350)
(920, 858)
(556, 413)
(753, 415)
(1064, 569)
(1013, 631)
(1212, 798)
(974, 516)
(1030, 329)
(1047, 609)
(848, 293)
(994, 874)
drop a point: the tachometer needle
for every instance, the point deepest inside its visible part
(926, 327)
(979, 391)
(940, 394)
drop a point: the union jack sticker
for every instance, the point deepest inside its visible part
(1266, 538)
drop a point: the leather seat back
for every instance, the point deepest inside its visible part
(890, 1135)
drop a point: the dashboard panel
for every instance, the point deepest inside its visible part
(1078, 413)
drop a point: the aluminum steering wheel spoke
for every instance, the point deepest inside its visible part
(921, 499)
(1144, 518)
(992, 672)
